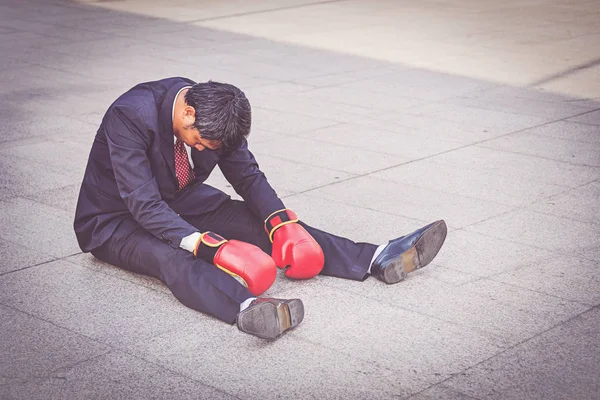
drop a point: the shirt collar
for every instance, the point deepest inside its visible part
(173, 109)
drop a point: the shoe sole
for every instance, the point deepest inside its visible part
(269, 321)
(418, 256)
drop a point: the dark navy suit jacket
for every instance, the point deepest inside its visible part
(131, 173)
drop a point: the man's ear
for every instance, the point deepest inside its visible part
(189, 112)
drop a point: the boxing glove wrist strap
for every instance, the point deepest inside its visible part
(278, 219)
(208, 243)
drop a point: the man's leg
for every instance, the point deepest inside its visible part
(196, 283)
(234, 220)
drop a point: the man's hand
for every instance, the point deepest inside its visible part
(293, 247)
(247, 263)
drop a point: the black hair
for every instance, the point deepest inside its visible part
(223, 113)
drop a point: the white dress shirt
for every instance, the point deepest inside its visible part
(189, 242)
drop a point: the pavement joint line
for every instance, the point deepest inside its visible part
(566, 73)
(101, 271)
(28, 267)
(491, 278)
(430, 156)
(484, 333)
(539, 156)
(517, 344)
(555, 252)
(270, 10)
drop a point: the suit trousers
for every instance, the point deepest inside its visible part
(197, 283)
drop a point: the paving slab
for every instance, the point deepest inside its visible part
(440, 392)
(542, 230)
(421, 84)
(283, 122)
(387, 333)
(101, 307)
(567, 130)
(565, 277)
(369, 99)
(408, 147)
(516, 104)
(351, 221)
(592, 118)
(500, 122)
(430, 128)
(15, 256)
(525, 167)
(411, 201)
(558, 364)
(64, 198)
(113, 375)
(320, 372)
(31, 348)
(484, 256)
(459, 179)
(38, 227)
(569, 151)
(338, 157)
(63, 155)
(502, 313)
(580, 204)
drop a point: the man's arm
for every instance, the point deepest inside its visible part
(241, 170)
(128, 144)
(293, 247)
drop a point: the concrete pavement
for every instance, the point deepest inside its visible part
(397, 113)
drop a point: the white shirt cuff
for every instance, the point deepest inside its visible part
(189, 242)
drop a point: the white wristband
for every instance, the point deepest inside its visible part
(189, 242)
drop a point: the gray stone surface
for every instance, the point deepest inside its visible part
(101, 307)
(569, 151)
(370, 119)
(411, 201)
(502, 313)
(379, 141)
(111, 376)
(15, 256)
(254, 369)
(38, 227)
(580, 204)
(282, 122)
(462, 180)
(484, 256)
(559, 364)
(592, 118)
(567, 130)
(376, 329)
(440, 392)
(542, 230)
(346, 159)
(520, 165)
(497, 121)
(32, 349)
(421, 84)
(566, 277)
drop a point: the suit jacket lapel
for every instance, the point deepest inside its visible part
(165, 117)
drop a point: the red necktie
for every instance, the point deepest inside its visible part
(183, 169)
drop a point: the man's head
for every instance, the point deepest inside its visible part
(213, 115)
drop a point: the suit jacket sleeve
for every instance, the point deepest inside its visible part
(241, 170)
(128, 144)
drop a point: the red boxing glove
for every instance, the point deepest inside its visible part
(293, 247)
(247, 263)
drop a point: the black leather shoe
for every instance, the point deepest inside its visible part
(268, 318)
(410, 252)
